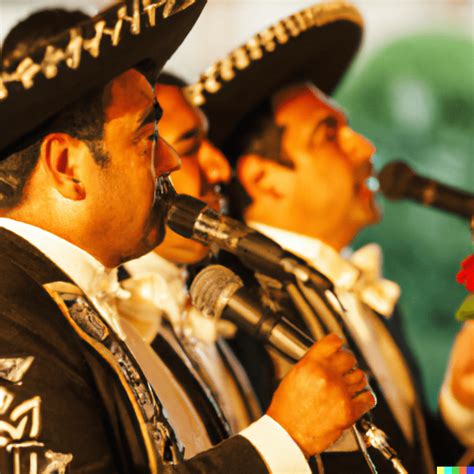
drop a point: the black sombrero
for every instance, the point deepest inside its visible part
(41, 81)
(316, 44)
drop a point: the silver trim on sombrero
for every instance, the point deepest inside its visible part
(267, 41)
(27, 69)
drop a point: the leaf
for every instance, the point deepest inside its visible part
(466, 310)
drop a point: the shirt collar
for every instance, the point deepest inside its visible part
(320, 255)
(153, 263)
(359, 272)
(83, 269)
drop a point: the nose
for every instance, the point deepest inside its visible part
(166, 158)
(358, 148)
(213, 164)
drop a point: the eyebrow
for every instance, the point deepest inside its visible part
(150, 115)
(195, 132)
(329, 121)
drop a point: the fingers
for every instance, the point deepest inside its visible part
(356, 382)
(363, 402)
(356, 388)
(354, 376)
(342, 361)
(326, 347)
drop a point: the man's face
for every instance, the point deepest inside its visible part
(123, 205)
(203, 167)
(324, 195)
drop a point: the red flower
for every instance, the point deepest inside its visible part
(466, 275)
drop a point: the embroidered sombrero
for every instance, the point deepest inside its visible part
(38, 82)
(316, 44)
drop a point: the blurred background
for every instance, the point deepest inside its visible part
(411, 91)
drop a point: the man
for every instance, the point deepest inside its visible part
(72, 176)
(162, 274)
(303, 172)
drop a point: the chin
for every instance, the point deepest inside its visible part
(368, 213)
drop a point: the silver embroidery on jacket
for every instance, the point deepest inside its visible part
(13, 370)
(20, 426)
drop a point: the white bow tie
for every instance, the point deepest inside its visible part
(375, 291)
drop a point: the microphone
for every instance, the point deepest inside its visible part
(219, 293)
(193, 219)
(399, 181)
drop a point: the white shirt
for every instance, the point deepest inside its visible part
(374, 341)
(167, 290)
(278, 450)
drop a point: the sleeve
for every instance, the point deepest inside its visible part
(48, 410)
(233, 456)
(458, 418)
(275, 445)
(264, 447)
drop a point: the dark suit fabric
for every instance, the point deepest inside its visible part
(445, 448)
(84, 410)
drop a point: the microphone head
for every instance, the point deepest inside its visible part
(183, 213)
(395, 180)
(212, 288)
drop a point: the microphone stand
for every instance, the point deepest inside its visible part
(321, 310)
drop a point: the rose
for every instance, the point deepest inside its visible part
(466, 275)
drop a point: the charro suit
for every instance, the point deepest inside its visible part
(398, 411)
(66, 403)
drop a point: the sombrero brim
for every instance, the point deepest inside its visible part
(316, 44)
(56, 73)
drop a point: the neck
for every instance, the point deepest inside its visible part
(337, 239)
(65, 226)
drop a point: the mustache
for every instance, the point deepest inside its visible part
(163, 198)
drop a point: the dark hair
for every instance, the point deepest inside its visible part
(170, 79)
(256, 134)
(84, 119)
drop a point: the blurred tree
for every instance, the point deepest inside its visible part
(415, 100)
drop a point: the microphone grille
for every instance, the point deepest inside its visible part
(211, 289)
(395, 179)
(183, 213)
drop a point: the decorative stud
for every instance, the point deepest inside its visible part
(253, 45)
(71, 55)
(241, 58)
(227, 69)
(281, 34)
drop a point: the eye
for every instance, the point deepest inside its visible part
(153, 137)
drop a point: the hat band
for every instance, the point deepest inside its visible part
(71, 55)
(266, 42)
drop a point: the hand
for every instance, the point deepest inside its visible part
(462, 366)
(322, 395)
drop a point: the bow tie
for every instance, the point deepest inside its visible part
(147, 298)
(375, 291)
(142, 301)
(104, 284)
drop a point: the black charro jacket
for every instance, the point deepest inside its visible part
(432, 437)
(62, 402)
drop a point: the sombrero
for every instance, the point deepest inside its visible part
(316, 44)
(40, 81)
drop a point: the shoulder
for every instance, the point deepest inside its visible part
(30, 320)
(48, 403)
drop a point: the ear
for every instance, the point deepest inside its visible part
(262, 177)
(62, 157)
